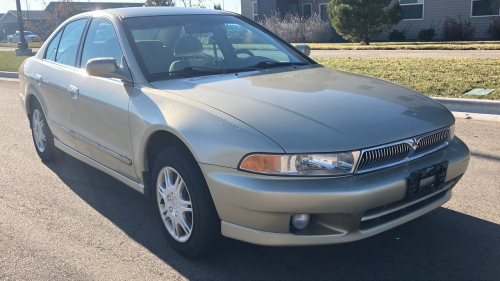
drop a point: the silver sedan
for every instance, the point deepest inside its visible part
(232, 131)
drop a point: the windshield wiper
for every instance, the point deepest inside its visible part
(268, 64)
(193, 70)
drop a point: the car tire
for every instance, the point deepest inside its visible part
(42, 136)
(179, 186)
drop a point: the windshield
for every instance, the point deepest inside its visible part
(190, 45)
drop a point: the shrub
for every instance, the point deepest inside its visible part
(427, 34)
(458, 30)
(494, 29)
(297, 29)
(397, 35)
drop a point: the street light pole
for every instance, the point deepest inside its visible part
(23, 45)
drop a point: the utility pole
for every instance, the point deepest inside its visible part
(23, 45)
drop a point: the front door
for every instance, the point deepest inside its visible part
(99, 106)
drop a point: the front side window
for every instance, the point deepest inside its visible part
(68, 46)
(255, 9)
(101, 42)
(173, 46)
(414, 9)
(306, 10)
(52, 48)
(481, 8)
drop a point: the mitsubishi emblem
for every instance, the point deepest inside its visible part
(414, 144)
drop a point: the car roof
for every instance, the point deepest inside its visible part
(162, 11)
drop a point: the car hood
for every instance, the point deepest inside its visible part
(316, 109)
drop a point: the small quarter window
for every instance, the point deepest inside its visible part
(52, 48)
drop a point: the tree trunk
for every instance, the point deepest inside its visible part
(366, 40)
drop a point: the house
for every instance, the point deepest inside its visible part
(9, 24)
(421, 14)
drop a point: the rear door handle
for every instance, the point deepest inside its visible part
(38, 79)
(74, 91)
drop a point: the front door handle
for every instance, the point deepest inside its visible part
(74, 91)
(38, 79)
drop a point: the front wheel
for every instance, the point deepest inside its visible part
(186, 211)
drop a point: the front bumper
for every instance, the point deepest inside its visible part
(257, 209)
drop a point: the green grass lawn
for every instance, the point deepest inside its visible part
(30, 45)
(457, 45)
(447, 77)
(9, 61)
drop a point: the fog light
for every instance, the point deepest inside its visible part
(300, 221)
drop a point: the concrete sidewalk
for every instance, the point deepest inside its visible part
(406, 53)
(10, 49)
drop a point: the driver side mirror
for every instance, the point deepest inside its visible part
(305, 49)
(108, 68)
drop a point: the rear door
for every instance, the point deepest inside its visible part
(52, 76)
(99, 109)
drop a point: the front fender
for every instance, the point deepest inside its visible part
(213, 137)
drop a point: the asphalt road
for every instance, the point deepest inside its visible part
(67, 220)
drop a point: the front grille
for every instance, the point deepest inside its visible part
(432, 141)
(383, 156)
(402, 151)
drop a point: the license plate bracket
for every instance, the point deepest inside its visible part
(415, 190)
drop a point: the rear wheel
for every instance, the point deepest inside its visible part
(42, 136)
(186, 211)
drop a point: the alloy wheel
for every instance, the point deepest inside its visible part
(39, 131)
(174, 204)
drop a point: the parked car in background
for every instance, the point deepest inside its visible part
(28, 35)
(248, 138)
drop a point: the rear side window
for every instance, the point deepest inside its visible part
(68, 47)
(101, 42)
(52, 48)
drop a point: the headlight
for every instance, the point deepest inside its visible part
(452, 132)
(333, 164)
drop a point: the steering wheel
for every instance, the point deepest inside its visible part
(234, 55)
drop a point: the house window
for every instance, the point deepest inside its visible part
(255, 9)
(306, 10)
(414, 9)
(484, 8)
(323, 13)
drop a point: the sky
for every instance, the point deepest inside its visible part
(5, 5)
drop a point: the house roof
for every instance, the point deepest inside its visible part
(86, 6)
(11, 16)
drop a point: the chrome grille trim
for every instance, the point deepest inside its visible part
(396, 153)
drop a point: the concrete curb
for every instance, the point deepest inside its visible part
(470, 105)
(6, 74)
(459, 105)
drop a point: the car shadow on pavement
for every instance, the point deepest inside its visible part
(443, 244)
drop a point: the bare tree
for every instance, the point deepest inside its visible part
(168, 3)
(193, 3)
